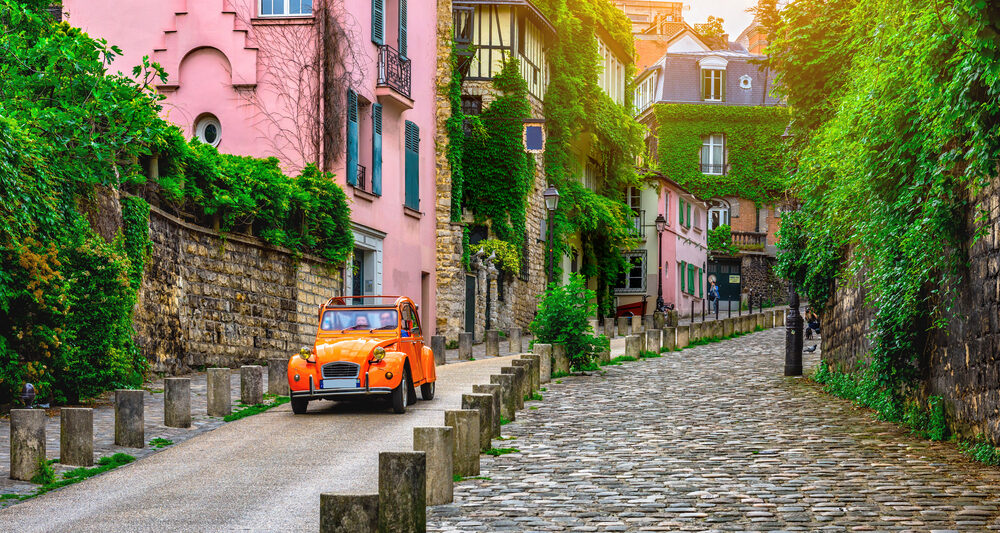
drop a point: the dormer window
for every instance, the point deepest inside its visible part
(713, 79)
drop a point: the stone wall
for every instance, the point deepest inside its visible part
(759, 279)
(960, 362)
(214, 300)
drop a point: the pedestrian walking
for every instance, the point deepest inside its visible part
(812, 323)
(713, 296)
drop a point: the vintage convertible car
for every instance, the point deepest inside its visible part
(365, 346)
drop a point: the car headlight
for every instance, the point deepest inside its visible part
(378, 354)
(305, 353)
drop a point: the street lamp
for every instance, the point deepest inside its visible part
(661, 224)
(551, 196)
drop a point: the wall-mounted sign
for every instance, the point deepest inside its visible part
(734, 279)
(534, 137)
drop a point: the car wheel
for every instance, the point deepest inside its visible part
(401, 394)
(427, 391)
(299, 405)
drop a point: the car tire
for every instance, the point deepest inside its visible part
(299, 405)
(427, 391)
(401, 394)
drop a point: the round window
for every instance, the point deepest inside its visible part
(208, 130)
(746, 82)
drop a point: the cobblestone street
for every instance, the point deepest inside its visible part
(713, 438)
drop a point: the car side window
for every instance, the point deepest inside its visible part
(416, 322)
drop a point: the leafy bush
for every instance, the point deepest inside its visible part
(508, 256)
(720, 239)
(562, 318)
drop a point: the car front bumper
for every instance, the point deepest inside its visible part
(315, 393)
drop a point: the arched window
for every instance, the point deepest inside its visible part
(718, 213)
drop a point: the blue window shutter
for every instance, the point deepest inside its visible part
(412, 197)
(377, 149)
(378, 21)
(402, 28)
(351, 168)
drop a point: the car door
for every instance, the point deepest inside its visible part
(412, 344)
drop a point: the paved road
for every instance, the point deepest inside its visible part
(262, 473)
(713, 439)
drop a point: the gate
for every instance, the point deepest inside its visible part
(728, 277)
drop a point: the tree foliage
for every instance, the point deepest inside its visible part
(563, 318)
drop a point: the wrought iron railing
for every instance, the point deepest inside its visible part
(393, 70)
(363, 179)
(638, 230)
(713, 169)
(749, 240)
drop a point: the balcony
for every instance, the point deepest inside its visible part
(393, 76)
(717, 170)
(363, 179)
(750, 241)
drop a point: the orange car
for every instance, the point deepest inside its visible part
(364, 349)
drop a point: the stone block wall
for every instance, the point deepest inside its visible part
(759, 277)
(214, 300)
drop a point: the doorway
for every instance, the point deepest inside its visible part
(470, 304)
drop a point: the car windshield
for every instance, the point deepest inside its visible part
(362, 319)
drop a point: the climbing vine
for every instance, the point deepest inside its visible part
(754, 146)
(456, 138)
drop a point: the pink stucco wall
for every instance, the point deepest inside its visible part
(681, 244)
(258, 77)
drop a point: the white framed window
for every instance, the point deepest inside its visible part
(713, 150)
(590, 175)
(285, 8)
(208, 130)
(713, 85)
(633, 280)
(666, 206)
(718, 216)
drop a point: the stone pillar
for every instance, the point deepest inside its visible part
(683, 336)
(220, 396)
(560, 361)
(675, 318)
(464, 424)
(623, 326)
(508, 393)
(694, 333)
(438, 343)
(27, 442)
(277, 376)
(653, 340)
(514, 341)
(781, 316)
(492, 343)
(483, 404)
(520, 377)
(527, 365)
(594, 325)
(535, 371)
(402, 492)
(637, 325)
(669, 339)
(464, 346)
(348, 513)
(647, 322)
(496, 391)
(727, 327)
(632, 346)
(76, 436)
(609, 328)
(130, 428)
(177, 402)
(251, 384)
(604, 356)
(659, 320)
(544, 353)
(438, 443)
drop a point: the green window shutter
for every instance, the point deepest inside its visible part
(701, 286)
(351, 168)
(402, 28)
(691, 279)
(378, 22)
(723, 84)
(706, 82)
(377, 149)
(688, 216)
(412, 197)
(681, 271)
(680, 211)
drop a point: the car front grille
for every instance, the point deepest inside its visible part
(341, 369)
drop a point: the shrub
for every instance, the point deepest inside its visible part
(562, 318)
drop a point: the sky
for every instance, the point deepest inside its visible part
(732, 11)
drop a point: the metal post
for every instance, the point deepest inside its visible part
(551, 237)
(702, 309)
(488, 300)
(716, 302)
(729, 304)
(793, 335)
(692, 311)
(659, 270)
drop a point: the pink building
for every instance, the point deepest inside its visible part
(337, 82)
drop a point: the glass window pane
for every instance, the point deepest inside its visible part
(265, 7)
(306, 7)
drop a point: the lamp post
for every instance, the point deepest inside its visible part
(551, 196)
(661, 224)
(793, 334)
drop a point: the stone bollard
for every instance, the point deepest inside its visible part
(659, 320)
(594, 325)
(402, 492)
(544, 353)
(647, 322)
(251, 384)
(604, 356)
(632, 346)
(130, 425)
(653, 340)
(508, 393)
(438, 442)
(177, 402)
(464, 424)
(438, 343)
(683, 336)
(694, 333)
(623, 326)
(560, 361)
(727, 327)
(609, 328)
(514, 341)
(535, 370)
(27, 442)
(781, 316)
(637, 328)
(669, 339)
(464, 346)
(675, 318)
(520, 377)
(277, 376)
(528, 383)
(496, 391)
(483, 404)
(348, 513)
(76, 436)
(492, 343)
(220, 397)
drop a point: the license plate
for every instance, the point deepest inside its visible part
(339, 383)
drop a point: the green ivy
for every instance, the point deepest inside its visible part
(456, 138)
(753, 143)
(508, 257)
(720, 239)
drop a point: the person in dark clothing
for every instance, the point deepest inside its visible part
(713, 296)
(812, 323)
